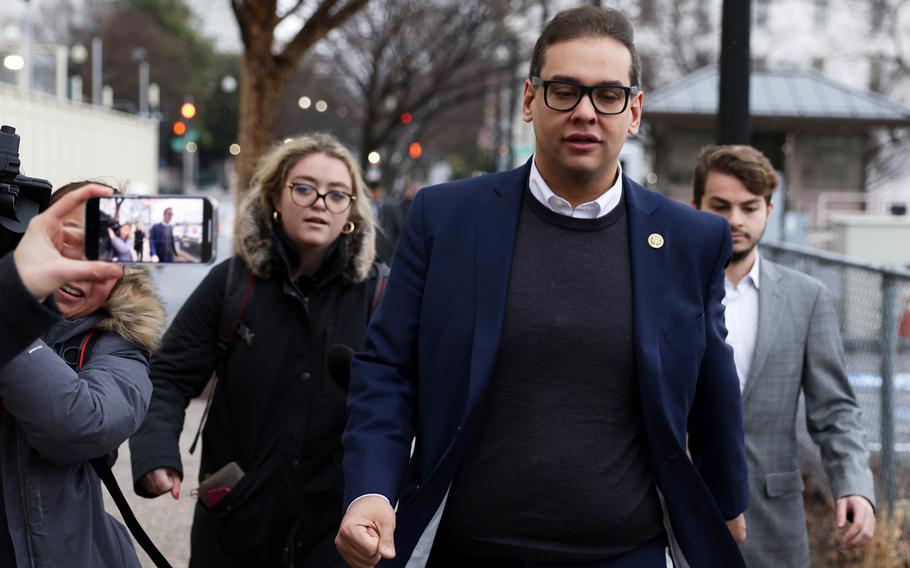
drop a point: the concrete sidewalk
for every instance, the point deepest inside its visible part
(165, 520)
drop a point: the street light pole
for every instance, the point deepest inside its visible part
(141, 56)
(25, 78)
(96, 71)
(187, 171)
(154, 98)
(734, 124)
(515, 25)
(78, 55)
(61, 70)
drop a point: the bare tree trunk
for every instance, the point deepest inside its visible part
(264, 75)
(262, 81)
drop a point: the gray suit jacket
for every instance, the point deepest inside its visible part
(798, 348)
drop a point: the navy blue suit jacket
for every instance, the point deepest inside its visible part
(433, 342)
(161, 242)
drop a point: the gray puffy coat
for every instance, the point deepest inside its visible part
(56, 419)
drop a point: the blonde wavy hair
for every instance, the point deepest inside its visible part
(270, 175)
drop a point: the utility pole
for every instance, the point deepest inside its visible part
(25, 76)
(96, 71)
(140, 56)
(734, 125)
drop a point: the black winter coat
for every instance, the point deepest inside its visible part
(275, 410)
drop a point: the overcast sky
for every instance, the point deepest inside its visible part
(217, 22)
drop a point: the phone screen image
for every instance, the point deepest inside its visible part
(149, 229)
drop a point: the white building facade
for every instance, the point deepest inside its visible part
(62, 141)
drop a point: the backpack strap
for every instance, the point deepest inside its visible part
(102, 467)
(76, 350)
(230, 322)
(85, 348)
(229, 330)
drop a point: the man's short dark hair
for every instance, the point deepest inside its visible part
(585, 22)
(744, 163)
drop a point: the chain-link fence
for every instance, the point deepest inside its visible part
(873, 304)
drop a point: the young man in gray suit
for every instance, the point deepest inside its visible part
(784, 333)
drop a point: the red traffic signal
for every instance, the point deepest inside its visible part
(415, 150)
(407, 117)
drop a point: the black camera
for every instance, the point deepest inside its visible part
(21, 197)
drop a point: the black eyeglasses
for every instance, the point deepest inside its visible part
(565, 95)
(306, 195)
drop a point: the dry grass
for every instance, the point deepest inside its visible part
(889, 549)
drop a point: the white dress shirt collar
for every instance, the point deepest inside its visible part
(754, 271)
(741, 318)
(607, 201)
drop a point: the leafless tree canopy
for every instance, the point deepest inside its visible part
(419, 57)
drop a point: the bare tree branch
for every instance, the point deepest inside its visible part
(418, 57)
(318, 26)
(291, 11)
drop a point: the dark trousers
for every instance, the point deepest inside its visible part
(650, 555)
(310, 544)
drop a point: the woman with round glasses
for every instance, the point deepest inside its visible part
(303, 281)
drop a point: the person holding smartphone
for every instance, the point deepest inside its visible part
(303, 280)
(36, 268)
(71, 396)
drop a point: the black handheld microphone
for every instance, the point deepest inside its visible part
(338, 362)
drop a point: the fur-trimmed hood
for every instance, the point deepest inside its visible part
(254, 241)
(134, 311)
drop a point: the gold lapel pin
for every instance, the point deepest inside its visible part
(655, 241)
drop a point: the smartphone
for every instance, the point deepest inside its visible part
(150, 229)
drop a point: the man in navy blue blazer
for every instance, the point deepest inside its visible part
(551, 341)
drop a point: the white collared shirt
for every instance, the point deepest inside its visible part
(607, 201)
(741, 318)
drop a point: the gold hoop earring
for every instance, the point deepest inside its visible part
(276, 216)
(348, 228)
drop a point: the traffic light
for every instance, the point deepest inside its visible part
(188, 109)
(182, 128)
(406, 118)
(415, 150)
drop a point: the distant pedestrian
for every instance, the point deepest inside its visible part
(139, 242)
(389, 219)
(408, 193)
(783, 328)
(303, 280)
